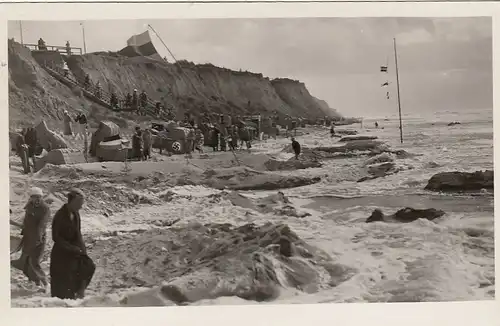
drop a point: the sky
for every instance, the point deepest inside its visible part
(444, 63)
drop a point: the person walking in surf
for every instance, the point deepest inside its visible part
(332, 131)
(296, 148)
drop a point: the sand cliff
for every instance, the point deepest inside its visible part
(186, 86)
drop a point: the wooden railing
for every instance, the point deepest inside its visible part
(61, 49)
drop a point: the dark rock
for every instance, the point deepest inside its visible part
(243, 178)
(286, 247)
(381, 169)
(381, 158)
(352, 138)
(461, 181)
(405, 215)
(304, 162)
(365, 145)
(346, 132)
(454, 123)
(402, 154)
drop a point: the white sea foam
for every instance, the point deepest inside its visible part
(448, 259)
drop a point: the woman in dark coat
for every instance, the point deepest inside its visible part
(71, 270)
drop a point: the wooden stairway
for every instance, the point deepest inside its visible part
(90, 93)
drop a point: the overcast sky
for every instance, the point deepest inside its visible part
(445, 64)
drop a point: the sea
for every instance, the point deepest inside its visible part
(449, 259)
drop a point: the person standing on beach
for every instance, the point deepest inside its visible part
(163, 139)
(332, 131)
(296, 148)
(31, 139)
(146, 138)
(71, 269)
(223, 141)
(199, 140)
(81, 118)
(215, 139)
(235, 137)
(34, 238)
(137, 144)
(190, 138)
(22, 150)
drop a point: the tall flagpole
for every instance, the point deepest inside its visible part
(84, 43)
(399, 100)
(21, 30)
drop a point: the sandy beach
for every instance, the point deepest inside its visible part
(166, 232)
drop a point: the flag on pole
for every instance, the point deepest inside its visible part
(383, 69)
(385, 84)
(140, 45)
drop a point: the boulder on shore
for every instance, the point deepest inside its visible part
(243, 178)
(381, 169)
(381, 158)
(304, 162)
(346, 132)
(351, 138)
(405, 215)
(461, 181)
(48, 139)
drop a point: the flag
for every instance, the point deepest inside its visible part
(385, 84)
(383, 69)
(140, 45)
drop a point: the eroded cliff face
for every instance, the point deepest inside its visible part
(326, 109)
(184, 86)
(35, 95)
(32, 91)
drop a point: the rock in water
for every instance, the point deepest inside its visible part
(405, 215)
(382, 158)
(381, 169)
(461, 181)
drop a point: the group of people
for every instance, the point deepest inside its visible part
(71, 269)
(137, 102)
(96, 89)
(43, 47)
(80, 119)
(221, 141)
(141, 144)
